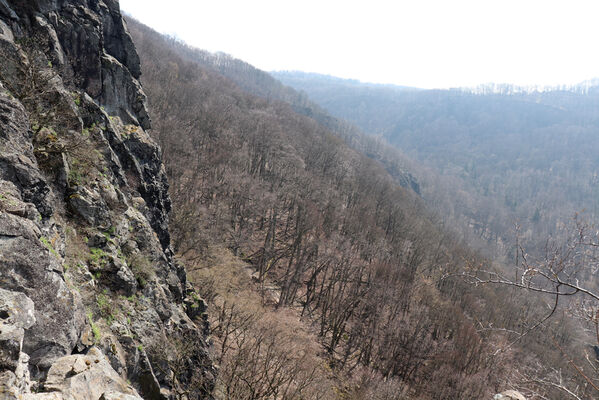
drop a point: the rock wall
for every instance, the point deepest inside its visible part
(88, 283)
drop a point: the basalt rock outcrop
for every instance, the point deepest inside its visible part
(92, 303)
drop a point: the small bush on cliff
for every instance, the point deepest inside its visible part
(142, 269)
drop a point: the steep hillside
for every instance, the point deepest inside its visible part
(261, 84)
(521, 157)
(92, 303)
(292, 232)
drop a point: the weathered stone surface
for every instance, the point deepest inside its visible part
(509, 395)
(140, 158)
(118, 41)
(17, 162)
(11, 202)
(85, 255)
(144, 374)
(76, 377)
(16, 309)
(122, 95)
(30, 268)
(8, 386)
(7, 11)
(5, 31)
(86, 377)
(117, 396)
(88, 205)
(11, 340)
(13, 226)
(16, 315)
(44, 396)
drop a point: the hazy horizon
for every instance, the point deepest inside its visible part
(427, 44)
(593, 81)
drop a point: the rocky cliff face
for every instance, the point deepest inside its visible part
(92, 303)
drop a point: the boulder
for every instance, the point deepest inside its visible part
(16, 309)
(509, 395)
(87, 377)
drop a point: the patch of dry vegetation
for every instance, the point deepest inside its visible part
(262, 353)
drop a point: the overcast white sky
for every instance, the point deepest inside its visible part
(422, 43)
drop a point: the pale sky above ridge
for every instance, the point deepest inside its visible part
(421, 43)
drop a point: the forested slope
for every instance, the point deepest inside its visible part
(285, 224)
(259, 83)
(514, 157)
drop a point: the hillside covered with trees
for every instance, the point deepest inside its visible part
(179, 225)
(325, 278)
(516, 156)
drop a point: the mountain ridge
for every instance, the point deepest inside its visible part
(482, 88)
(260, 83)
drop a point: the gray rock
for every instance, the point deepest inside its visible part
(89, 205)
(509, 395)
(144, 374)
(118, 42)
(16, 309)
(5, 31)
(56, 52)
(90, 37)
(140, 158)
(45, 219)
(17, 162)
(8, 386)
(30, 268)
(22, 376)
(118, 396)
(13, 226)
(121, 277)
(7, 11)
(11, 202)
(16, 314)
(121, 95)
(127, 281)
(111, 197)
(11, 340)
(86, 377)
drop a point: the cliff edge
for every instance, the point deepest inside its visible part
(92, 303)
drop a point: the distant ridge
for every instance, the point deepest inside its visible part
(298, 78)
(508, 89)
(298, 75)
